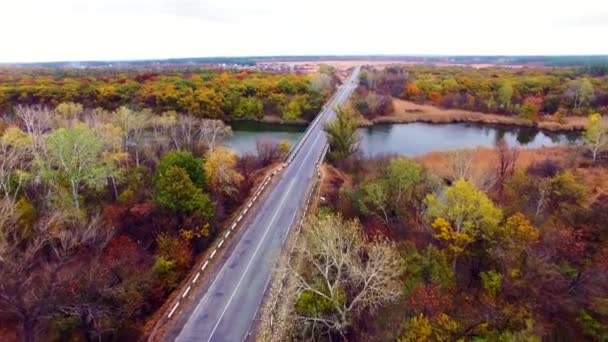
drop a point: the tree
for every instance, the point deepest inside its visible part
(284, 147)
(461, 215)
(40, 270)
(403, 176)
(596, 134)
(75, 157)
(132, 125)
(293, 111)
(374, 199)
(69, 111)
(343, 275)
(505, 95)
(175, 191)
(268, 151)
(220, 168)
(580, 92)
(342, 134)
(185, 160)
(213, 133)
(249, 107)
(507, 159)
(179, 182)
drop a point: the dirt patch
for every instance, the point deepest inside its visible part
(406, 112)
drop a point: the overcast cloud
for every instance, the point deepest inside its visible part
(52, 30)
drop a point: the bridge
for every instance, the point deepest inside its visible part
(228, 304)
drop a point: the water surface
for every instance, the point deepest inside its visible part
(410, 139)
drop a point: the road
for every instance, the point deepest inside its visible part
(227, 310)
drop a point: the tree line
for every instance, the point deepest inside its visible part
(204, 93)
(526, 92)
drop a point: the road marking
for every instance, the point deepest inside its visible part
(173, 310)
(205, 265)
(186, 292)
(213, 253)
(221, 243)
(255, 252)
(198, 274)
(227, 234)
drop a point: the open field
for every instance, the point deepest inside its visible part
(406, 112)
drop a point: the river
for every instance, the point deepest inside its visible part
(409, 139)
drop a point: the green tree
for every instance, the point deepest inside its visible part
(342, 134)
(505, 95)
(185, 160)
(175, 191)
(580, 92)
(293, 111)
(74, 156)
(461, 215)
(249, 107)
(373, 198)
(179, 182)
(596, 134)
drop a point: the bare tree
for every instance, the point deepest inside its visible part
(507, 160)
(213, 132)
(12, 161)
(36, 121)
(343, 271)
(133, 125)
(268, 151)
(459, 164)
(38, 267)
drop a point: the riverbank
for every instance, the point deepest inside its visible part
(408, 112)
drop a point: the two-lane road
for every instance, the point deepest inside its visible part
(226, 311)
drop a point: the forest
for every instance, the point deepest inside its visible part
(113, 181)
(206, 93)
(488, 244)
(529, 93)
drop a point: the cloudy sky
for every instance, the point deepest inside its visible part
(53, 30)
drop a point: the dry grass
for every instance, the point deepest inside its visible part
(406, 112)
(484, 161)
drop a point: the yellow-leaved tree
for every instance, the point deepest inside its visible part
(220, 169)
(461, 214)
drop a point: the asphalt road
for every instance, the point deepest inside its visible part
(226, 311)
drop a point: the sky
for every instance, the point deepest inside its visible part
(78, 30)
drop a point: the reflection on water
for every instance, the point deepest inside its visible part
(247, 133)
(419, 138)
(410, 139)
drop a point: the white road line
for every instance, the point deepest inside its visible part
(205, 265)
(221, 243)
(227, 234)
(173, 310)
(198, 274)
(255, 252)
(186, 292)
(213, 254)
